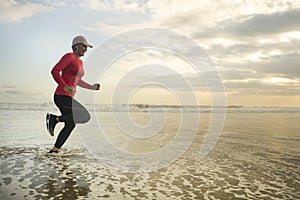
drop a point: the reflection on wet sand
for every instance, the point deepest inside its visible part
(256, 157)
(34, 174)
(31, 174)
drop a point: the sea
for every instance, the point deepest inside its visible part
(152, 152)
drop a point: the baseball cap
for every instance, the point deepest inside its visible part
(80, 39)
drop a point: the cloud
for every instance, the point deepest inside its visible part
(115, 5)
(264, 24)
(260, 75)
(116, 16)
(12, 11)
(20, 93)
(251, 48)
(113, 29)
(11, 90)
(253, 43)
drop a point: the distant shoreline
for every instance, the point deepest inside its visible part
(154, 105)
(156, 108)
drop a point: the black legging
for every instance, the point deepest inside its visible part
(72, 113)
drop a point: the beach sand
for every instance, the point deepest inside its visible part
(257, 157)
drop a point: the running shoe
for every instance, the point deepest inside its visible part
(53, 151)
(51, 123)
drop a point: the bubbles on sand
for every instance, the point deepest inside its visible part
(30, 173)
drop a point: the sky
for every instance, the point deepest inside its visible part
(254, 44)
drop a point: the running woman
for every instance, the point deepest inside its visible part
(68, 73)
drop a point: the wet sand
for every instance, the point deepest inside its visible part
(256, 157)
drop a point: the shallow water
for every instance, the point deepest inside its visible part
(256, 157)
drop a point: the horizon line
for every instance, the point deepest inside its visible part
(166, 105)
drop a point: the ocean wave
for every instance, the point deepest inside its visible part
(154, 108)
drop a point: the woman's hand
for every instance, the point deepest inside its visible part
(69, 89)
(96, 86)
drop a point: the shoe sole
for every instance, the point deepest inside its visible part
(48, 124)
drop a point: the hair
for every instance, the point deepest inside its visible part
(74, 47)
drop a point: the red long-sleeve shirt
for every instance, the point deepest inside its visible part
(68, 72)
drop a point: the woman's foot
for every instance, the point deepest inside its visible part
(54, 150)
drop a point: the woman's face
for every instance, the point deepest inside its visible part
(81, 49)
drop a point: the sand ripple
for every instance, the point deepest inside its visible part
(29, 173)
